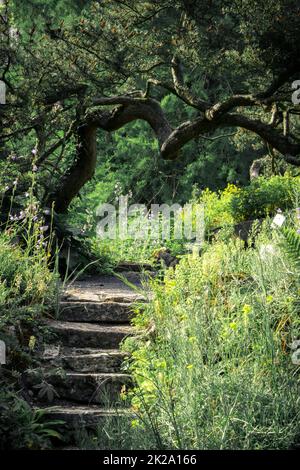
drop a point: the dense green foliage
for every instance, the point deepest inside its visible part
(27, 286)
(217, 372)
(262, 198)
(27, 292)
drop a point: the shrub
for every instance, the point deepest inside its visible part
(257, 200)
(264, 195)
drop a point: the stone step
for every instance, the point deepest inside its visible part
(80, 416)
(89, 335)
(87, 388)
(103, 289)
(95, 312)
(84, 360)
(71, 295)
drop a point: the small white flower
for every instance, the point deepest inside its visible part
(267, 250)
(278, 220)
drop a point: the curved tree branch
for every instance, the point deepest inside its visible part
(284, 144)
(170, 140)
(146, 109)
(191, 129)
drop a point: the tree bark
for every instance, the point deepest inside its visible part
(80, 172)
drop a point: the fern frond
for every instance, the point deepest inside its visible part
(292, 245)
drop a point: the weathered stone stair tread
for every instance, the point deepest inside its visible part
(88, 334)
(52, 350)
(103, 288)
(87, 415)
(95, 312)
(89, 387)
(102, 376)
(78, 295)
(85, 360)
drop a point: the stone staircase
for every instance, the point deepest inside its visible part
(80, 378)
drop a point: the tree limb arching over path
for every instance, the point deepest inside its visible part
(170, 141)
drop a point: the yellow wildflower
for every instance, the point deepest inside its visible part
(31, 343)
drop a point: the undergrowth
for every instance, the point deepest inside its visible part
(216, 371)
(28, 290)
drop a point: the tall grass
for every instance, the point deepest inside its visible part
(27, 291)
(217, 372)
